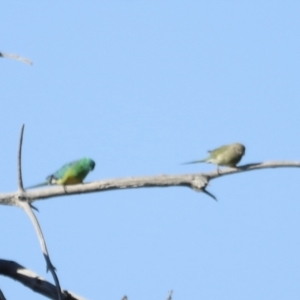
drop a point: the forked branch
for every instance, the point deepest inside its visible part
(198, 182)
(27, 207)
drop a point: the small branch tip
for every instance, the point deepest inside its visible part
(20, 180)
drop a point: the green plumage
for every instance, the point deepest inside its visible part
(71, 173)
(228, 155)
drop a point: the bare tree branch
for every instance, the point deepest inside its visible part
(20, 181)
(33, 281)
(27, 207)
(253, 167)
(197, 182)
(194, 181)
(170, 295)
(16, 57)
(2, 297)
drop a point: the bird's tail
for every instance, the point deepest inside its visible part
(195, 162)
(38, 185)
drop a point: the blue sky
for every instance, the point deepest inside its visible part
(140, 87)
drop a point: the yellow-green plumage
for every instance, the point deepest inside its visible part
(71, 173)
(228, 155)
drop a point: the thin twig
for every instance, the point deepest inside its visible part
(252, 167)
(20, 176)
(27, 208)
(20, 180)
(170, 295)
(16, 57)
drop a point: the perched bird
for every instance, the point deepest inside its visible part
(16, 57)
(228, 155)
(71, 173)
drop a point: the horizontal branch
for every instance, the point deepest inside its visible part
(33, 281)
(253, 167)
(196, 182)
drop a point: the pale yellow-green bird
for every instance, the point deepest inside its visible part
(227, 155)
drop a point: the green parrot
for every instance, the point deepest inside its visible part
(16, 57)
(227, 155)
(71, 173)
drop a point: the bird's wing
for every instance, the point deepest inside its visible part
(217, 151)
(72, 173)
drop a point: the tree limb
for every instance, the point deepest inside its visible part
(24, 198)
(33, 281)
(27, 207)
(2, 297)
(20, 180)
(253, 167)
(16, 57)
(170, 295)
(197, 182)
